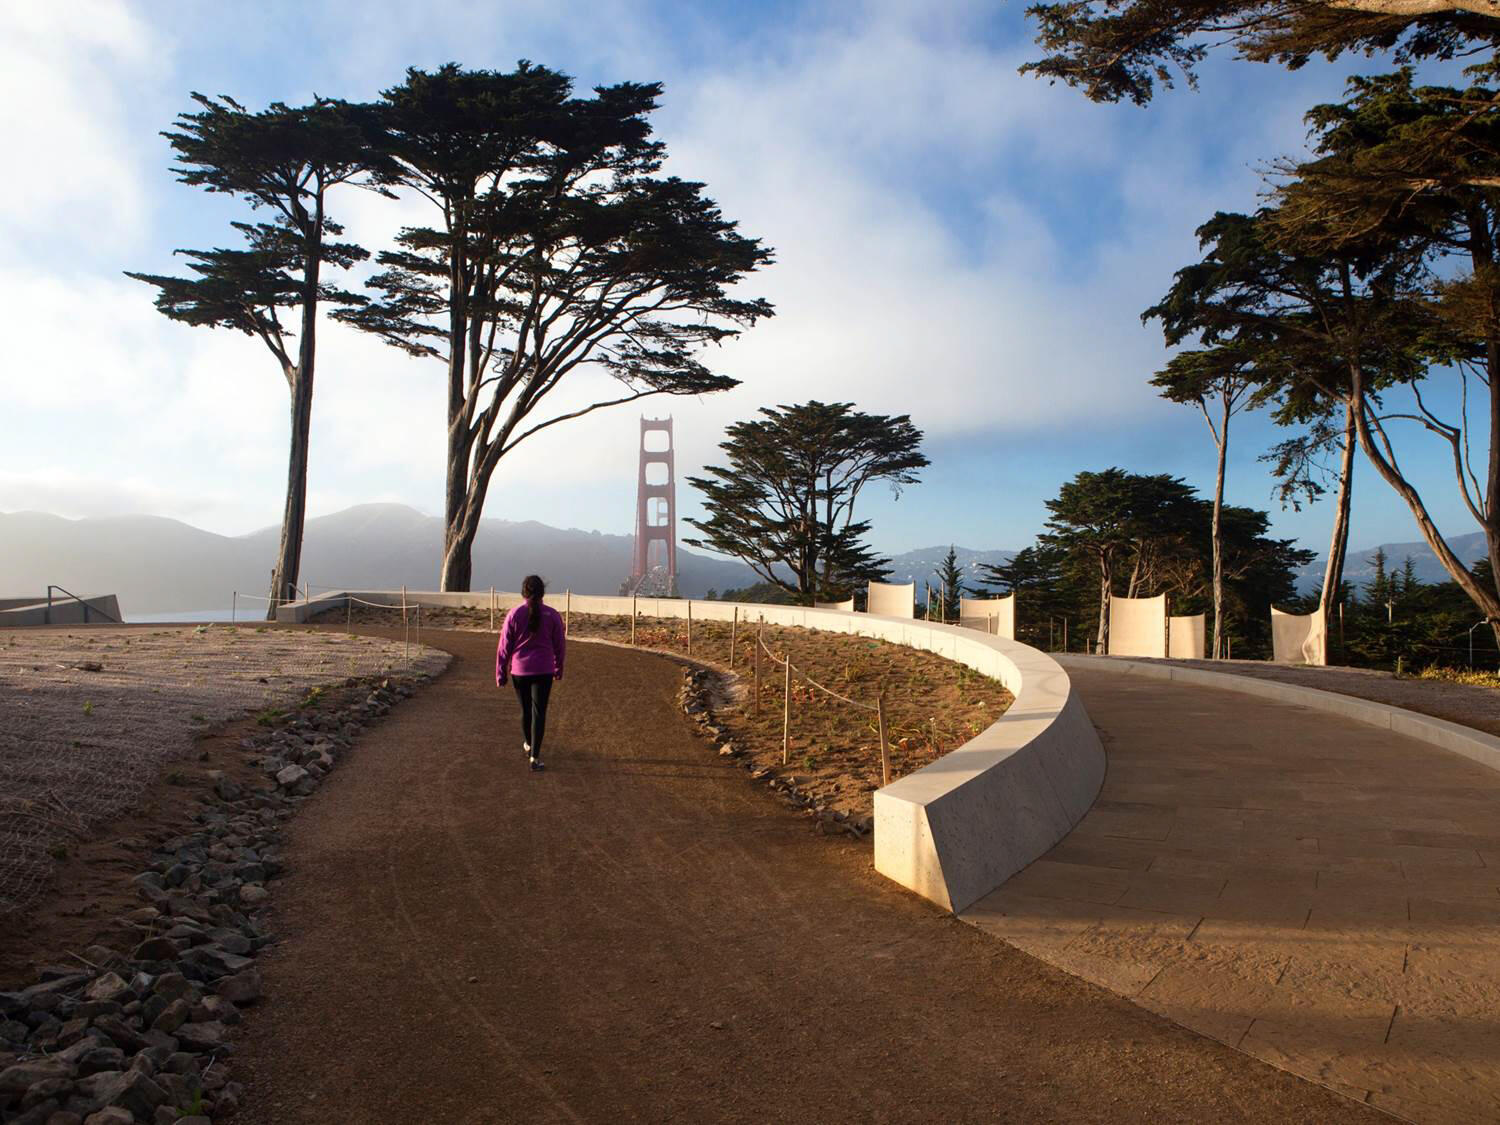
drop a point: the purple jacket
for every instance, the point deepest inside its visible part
(524, 653)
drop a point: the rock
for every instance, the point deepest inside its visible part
(110, 1115)
(64, 1117)
(110, 986)
(156, 949)
(21, 1077)
(128, 1090)
(215, 962)
(173, 1016)
(289, 776)
(47, 1092)
(227, 788)
(122, 1033)
(100, 1059)
(241, 988)
(172, 985)
(202, 1036)
(253, 894)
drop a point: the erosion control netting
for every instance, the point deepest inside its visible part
(89, 717)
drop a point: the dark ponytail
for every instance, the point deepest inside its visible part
(532, 589)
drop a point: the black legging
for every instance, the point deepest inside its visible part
(533, 692)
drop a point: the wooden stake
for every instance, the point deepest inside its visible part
(348, 611)
(734, 627)
(756, 704)
(690, 627)
(786, 709)
(492, 609)
(568, 613)
(405, 630)
(632, 619)
(885, 750)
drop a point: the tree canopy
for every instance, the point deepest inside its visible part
(282, 159)
(1117, 50)
(557, 246)
(784, 503)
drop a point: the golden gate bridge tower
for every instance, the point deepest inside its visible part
(654, 571)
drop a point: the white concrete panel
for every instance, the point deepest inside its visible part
(887, 599)
(845, 606)
(1138, 626)
(1186, 637)
(1298, 638)
(996, 616)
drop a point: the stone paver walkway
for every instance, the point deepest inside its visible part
(1317, 892)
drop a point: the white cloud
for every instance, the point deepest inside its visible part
(66, 73)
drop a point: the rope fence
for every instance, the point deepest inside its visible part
(788, 670)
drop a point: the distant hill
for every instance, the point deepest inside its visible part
(159, 565)
(921, 565)
(1358, 569)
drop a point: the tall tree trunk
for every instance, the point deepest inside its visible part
(1338, 541)
(285, 574)
(1106, 585)
(1217, 541)
(289, 554)
(458, 565)
(1486, 600)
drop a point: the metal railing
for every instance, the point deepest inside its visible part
(87, 609)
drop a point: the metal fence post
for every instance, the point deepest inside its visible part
(568, 612)
(690, 626)
(492, 609)
(234, 607)
(632, 619)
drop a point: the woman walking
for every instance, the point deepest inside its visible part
(532, 645)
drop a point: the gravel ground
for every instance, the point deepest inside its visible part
(89, 717)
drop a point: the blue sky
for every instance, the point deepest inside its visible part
(953, 241)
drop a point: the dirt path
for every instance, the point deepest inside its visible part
(641, 935)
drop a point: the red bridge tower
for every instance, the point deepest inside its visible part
(654, 571)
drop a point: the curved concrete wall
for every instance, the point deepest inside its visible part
(1138, 626)
(1185, 637)
(892, 599)
(956, 829)
(1298, 638)
(991, 615)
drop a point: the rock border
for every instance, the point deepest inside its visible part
(702, 689)
(144, 1037)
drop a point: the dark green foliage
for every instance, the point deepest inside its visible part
(763, 593)
(784, 504)
(1120, 49)
(558, 246)
(1130, 535)
(950, 583)
(283, 159)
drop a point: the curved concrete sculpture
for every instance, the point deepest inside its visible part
(956, 829)
(996, 616)
(1298, 638)
(1138, 626)
(1185, 637)
(888, 599)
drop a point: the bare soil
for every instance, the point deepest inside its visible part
(91, 718)
(932, 704)
(638, 934)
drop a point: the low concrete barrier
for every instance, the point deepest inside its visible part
(956, 829)
(17, 613)
(1472, 744)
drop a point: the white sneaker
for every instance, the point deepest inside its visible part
(526, 748)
